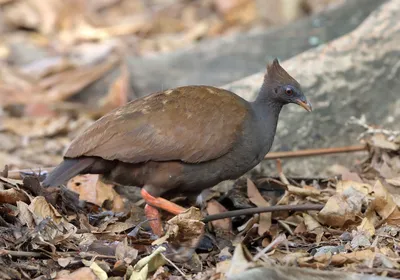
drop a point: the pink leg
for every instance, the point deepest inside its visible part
(153, 215)
(162, 203)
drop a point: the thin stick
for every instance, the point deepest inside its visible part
(21, 253)
(175, 266)
(256, 210)
(280, 172)
(275, 243)
(316, 152)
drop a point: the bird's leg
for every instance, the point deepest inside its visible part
(162, 203)
(153, 216)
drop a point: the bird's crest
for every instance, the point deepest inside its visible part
(276, 74)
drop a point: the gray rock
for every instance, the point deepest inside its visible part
(220, 61)
(226, 59)
(357, 74)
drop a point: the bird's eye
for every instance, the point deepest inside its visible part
(289, 91)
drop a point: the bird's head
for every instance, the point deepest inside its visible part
(283, 88)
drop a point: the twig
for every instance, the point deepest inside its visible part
(20, 253)
(316, 152)
(280, 172)
(256, 210)
(281, 238)
(286, 226)
(175, 266)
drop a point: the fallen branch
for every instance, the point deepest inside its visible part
(256, 210)
(316, 152)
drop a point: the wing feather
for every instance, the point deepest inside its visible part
(191, 124)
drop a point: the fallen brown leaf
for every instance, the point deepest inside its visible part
(256, 198)
(12, 196)
(214, 207)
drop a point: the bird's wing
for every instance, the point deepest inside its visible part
(190, 124)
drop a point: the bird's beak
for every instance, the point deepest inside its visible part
(305, 104)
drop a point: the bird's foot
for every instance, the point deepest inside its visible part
(162, 203)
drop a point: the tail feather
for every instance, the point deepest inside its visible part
(66, 170)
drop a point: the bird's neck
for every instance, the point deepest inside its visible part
(267, 114)
(265, 106)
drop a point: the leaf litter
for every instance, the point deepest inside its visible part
(88, 230)
(357, 231)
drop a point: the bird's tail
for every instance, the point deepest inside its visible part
(66, 170)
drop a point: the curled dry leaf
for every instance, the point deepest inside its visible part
(148, 264)
(184, 230)
(241, 261)
(309, 191)
(367, 226)
(24, 215)
(118, 92)
(92, 189)
(100, 273)
(385, 205)
(256, 198)
(342, 208)
(311, 223)
(343, 185)
(42, 210)
(12, 196)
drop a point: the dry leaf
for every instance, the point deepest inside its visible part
(394, 181)
(367, 226)
(148, 264)
(125, 252)
(381, 141)
(256, 198)
(91, 189)
(311, 191)
(240, 261)
(66, 84)
(12, 196)
(100, 273)
(214, 207)
(358, 256)
(36, 127)
(24, 215)
(311, 223)
(184, 230)
(342, 208)
(81, 273)
(64, 262)
(118, 92)
(343, 185)
(384, 203)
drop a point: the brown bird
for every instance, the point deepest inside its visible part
(181, 140)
